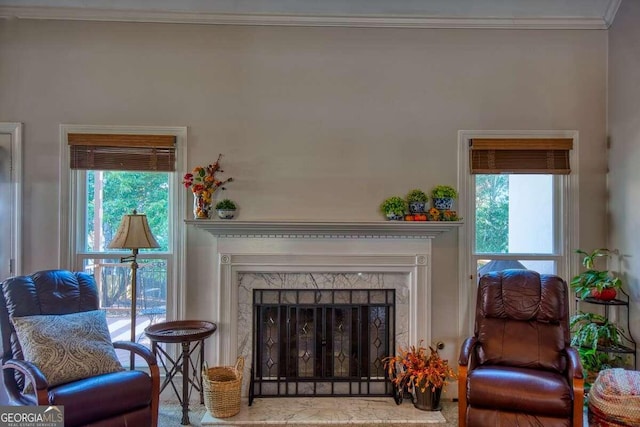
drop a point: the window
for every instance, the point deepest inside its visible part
(517, 190)
(517, 222)
(110, 175)
(105, 196)
(518, 202)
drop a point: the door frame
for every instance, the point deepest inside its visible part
(15, 130)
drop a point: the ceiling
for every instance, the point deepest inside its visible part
(572, 14)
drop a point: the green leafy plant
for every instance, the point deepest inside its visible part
(226, 204)
(593, 361)
(417, 196)
(591, 330)
(444, 192)
(593, 280)
(394, 205)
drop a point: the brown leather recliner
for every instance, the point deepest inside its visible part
(518, 369)
(125, 398)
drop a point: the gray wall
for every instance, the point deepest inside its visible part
(315, 123)
(624, 136)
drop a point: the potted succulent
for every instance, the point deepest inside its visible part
(594, 283)
(423, 372)
(443, 197)
(226, 209)
(417, 199)
(394, 208)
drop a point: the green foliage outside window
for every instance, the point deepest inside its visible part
(492, 213)
(122, 192)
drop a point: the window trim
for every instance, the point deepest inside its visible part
(569, 219)
(14, 130)
(68, 209)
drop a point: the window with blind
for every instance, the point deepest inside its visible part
(517, 202)
(520, 156)
(113, 175)
(153, 153)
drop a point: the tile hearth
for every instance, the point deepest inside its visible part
(334, 411)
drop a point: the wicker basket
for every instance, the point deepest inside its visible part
(221, 386)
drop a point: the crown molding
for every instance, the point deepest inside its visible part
(368, 21)
(303, 229)
(610, 14)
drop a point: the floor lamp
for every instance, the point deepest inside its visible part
(133, 233)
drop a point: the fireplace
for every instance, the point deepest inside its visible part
(381, 257)
(314, 342)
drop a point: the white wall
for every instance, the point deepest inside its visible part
(624, 155)
(314, 123)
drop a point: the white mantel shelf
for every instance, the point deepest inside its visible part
(307, 229)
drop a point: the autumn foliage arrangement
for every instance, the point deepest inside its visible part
(203, 183)
(419, 367)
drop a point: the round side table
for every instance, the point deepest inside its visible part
(185, 332)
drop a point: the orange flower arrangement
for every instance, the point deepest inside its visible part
(434, 214)
(450, 215)
(203, 183)
(414, 367)
(446, 215)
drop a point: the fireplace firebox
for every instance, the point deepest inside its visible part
(322, 342)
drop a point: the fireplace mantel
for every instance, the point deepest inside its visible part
(310, 229)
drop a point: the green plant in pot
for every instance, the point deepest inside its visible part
(394, 208)
(443, 197)
(226, 209)
(417, 199)
(591, 333)
(593, 330)
(594, 361)
(594, 283)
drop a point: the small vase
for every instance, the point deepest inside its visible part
(201, 208)
(226, 213)
(394, 217)
(442, 204)
(416, 207)
(427, 400)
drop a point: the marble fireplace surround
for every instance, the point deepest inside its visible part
(255, 249)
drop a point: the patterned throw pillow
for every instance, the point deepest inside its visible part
(68, 347)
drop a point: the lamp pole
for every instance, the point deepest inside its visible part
(133, 233)
(134, 295)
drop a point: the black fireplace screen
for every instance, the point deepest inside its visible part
(322, 342)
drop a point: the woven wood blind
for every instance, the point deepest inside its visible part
(520, 156)
(151, 153)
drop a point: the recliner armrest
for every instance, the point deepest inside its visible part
(138, 349)
(154, 373)
(574, 368)
(466, 350)
(33, 375)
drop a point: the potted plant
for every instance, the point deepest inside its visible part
(226, 209)
(421, 371)
(443, 197)
(417, 199)
(394, 208)
(594, 361)
(593, 330)
(592, 333)
(594, 283)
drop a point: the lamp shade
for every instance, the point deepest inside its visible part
(134, 233)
